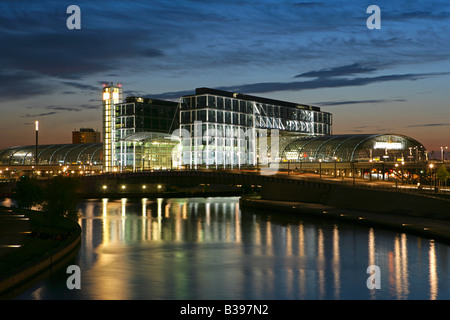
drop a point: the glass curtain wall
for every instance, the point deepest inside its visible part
(138, 119)
(219, 131)
(143, 151)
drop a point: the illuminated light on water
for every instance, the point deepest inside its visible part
(144, 207)
(433, 272)
(336, 262)
(105, 207)
(124, 206)
(159, 201)
(208, 253)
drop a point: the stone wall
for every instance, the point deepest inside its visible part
(349, 197)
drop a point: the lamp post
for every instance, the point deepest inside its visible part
(320, 168)
(431, 175)
(395, 175)
(335, 171)
(353, 172)
(36, 123)
(403, 163)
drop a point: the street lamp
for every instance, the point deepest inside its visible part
(395, 175)
(431, 176)
(335, 172)
(403, 163)
(36, 123)
(320, 168)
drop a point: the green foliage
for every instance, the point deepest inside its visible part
(61, 197)
(442, 174)
(28, 192)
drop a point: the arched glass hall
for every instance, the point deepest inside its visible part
(355, 148)
(53, 154)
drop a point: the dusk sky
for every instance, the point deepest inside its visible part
(390, 80)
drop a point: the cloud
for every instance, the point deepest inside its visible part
(63, 108)
(72, 56)
(308, 4)
(81, 86)
(346, 70)
(348, 102)
(73, 109)
(22, 85)
(428, 125)
(319, 83)
(38, 114)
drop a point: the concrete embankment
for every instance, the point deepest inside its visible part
(422, 226)
(389, 200)
(35, 267)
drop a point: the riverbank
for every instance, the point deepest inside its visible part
(426, 227)
(43, 242)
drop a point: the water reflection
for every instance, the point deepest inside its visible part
(210, 249)
(433, 272)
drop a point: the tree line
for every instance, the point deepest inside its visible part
(56, 196)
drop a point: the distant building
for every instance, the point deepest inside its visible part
(85, 135)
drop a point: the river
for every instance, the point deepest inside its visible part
(208, 248)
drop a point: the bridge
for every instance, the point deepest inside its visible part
(350, 193)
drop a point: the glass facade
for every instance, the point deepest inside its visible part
(224, 129)
(146, 116)
(361, 148)
(149, 151)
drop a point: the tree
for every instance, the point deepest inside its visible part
(61, 197)
(28, 192)
(442, 174)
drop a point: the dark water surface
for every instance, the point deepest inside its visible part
(198, 248)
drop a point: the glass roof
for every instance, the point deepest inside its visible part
(362, 147)
(53, 154)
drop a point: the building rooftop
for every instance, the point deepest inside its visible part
(202, 91)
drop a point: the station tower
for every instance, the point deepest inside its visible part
(111, 95)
